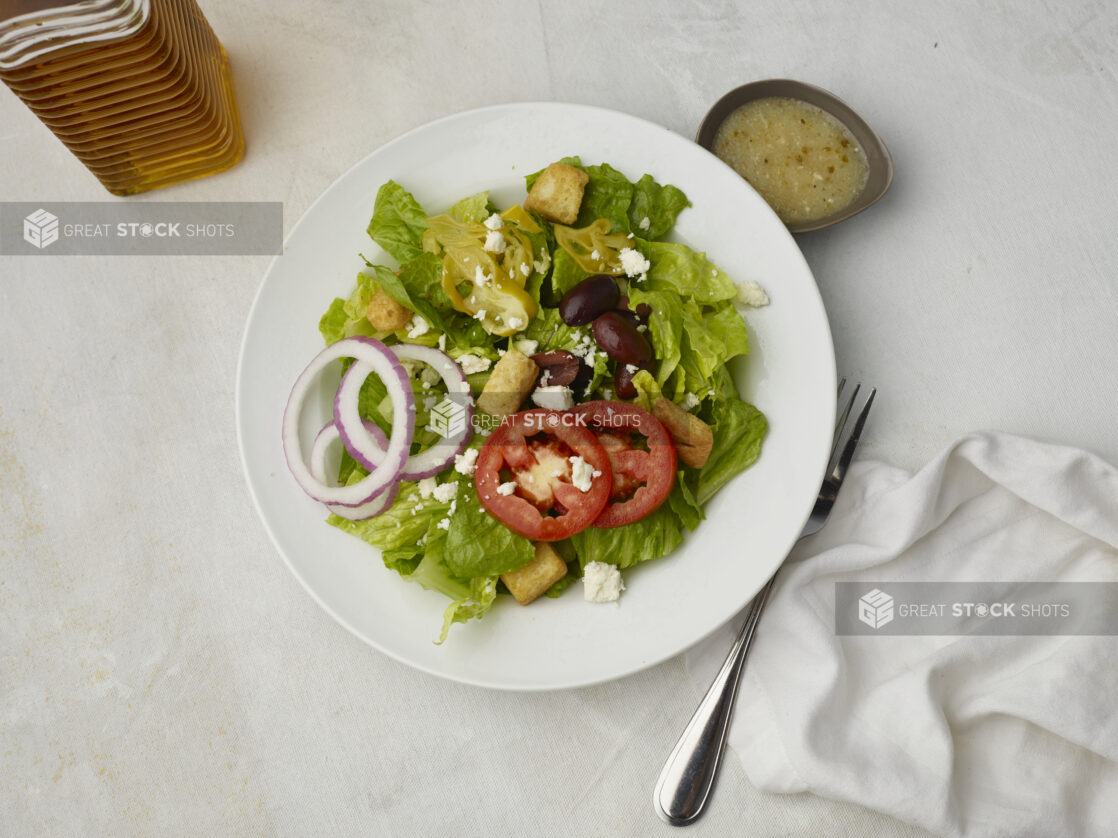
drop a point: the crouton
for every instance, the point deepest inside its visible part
(385, 313)
(511, 381)
(557, 193)
(533, 580)
(692, 436)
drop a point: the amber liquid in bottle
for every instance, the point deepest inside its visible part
(146, 109)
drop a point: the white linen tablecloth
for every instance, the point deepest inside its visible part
(160, 670)
(965, 735)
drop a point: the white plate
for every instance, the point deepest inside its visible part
(669, 604)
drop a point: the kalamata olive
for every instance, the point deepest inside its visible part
(557, 367)
(623, 379)
(631, 316)
(585, 374)
(620, 339)
(639, 314)
(590, 298)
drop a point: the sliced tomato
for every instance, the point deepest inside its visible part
(532, 450)
(642, 477)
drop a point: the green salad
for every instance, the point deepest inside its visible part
(489, 286)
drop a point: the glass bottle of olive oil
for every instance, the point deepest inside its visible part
(138, 90)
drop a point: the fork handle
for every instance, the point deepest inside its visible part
(688, 776)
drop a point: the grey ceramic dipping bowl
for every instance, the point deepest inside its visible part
(877, 155)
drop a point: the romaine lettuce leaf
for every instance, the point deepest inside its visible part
(398, 222)
(739, 428)
(661, 205)
(477, 544)
(403, 525)
(478, 600)
(473, 208)
(687, 272)
(346, 318)
(665, 326)
(566, 273)
(653, 536)
(609, 194)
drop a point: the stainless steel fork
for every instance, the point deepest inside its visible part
(688, 776)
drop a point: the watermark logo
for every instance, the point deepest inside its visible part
(40, 228)
(976, 608)
(148, 228)
(875, 609)
(448, 418)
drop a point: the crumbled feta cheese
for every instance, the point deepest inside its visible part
(494, 241)
(752, 294)
(601, 582)
(444, 524)
(494, 222)
(516, 323)
(582, 474)
(525, 269)
(645, 223)
(471, 363)
(631, 369)
(480, 314)
(690, 401)
(540, 265)
(595, 255)
(417, 326)
(418, 507)
(507, 489)
(442, 341)
(634, 264)
(526, 346)
(481, 278)
(466, 462)
(427, 487)
(445, 492)
(554, 397)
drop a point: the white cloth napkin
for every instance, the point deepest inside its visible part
(968, 736)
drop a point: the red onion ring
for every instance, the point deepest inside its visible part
(377, 505)
(364, 447)
(378, 359)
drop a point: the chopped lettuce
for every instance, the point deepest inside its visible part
(474, 208)
(653, 536)
(660, 205)
(398, 222)
(458, 549)
(739, 428)
(477, 544)
(609, 194)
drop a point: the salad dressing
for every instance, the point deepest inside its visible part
(804, 162)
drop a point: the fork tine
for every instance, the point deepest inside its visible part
(852, 442)
(841, 423)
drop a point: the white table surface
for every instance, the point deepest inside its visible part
(161, 672)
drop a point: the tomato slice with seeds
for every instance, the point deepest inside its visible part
(642, 477)
(532, 450)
